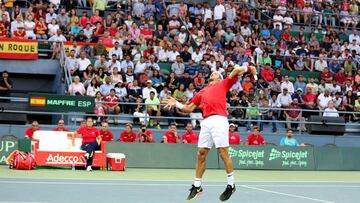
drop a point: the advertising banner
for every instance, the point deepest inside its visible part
(267, 157)
(61, 103)
(18, 48)
(8, 144)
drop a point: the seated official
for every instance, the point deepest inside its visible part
(128, 135)
(190, 137)
(171, 136)
(234, 137)
(255, 138)
(145, 135)
(289, 140)
(91, 140)
(29, 132)
(105, 133)
(61, 126)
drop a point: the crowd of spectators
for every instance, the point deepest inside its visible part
(197, 39)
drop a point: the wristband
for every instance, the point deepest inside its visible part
(179, 105)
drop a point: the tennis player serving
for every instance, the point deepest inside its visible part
(215, 126)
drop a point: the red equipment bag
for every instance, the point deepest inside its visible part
(21, 160)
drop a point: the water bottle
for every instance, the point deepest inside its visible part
(73, 166)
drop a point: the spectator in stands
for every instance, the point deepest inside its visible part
(323, 99)
(112, 107)
(5, 86)
(283, 100)
(234, 137)
(312, 85)
(288, 85)
(178, 67)
(145, 135)
(106, 87)
(252, 114)
(190, 137)
(93, 88)
(331, 111)
(91, 141)
(99, 108)
(171, 136)
(77, 87)
(349, 102)
(289, 140)
(294, 113)
(153, 108)
(255, 138)
(357, 105)
(61, 126)
(267, 114)
(148, 89)
(320, 64)
(128, 135)
(29, 132)
(300, 83)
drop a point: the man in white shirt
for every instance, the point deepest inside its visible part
(149, 88)
(71, 62)
(83, 63)
(323, 99)
(117, 51)
(208, 13)
(113, 63)
(152, 63)
(284, 99)
(219, 11)
(17, 23)
(245, 30)
(178, 67)
(58, 37)
(278, 19)
(140, 66)
(320, 64)
(331, 111)
(354, 46)
(163, 54)
(173, 54)
(49, 16)
(288, 85)
(126, 63)
(354, 36)
(197, 56)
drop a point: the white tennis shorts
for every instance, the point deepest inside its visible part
(214, 129)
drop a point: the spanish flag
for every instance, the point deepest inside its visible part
(37, 101)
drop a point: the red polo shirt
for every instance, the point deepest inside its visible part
(58, 129)
(107, 136)
(171, 137)
(124, 137)
(191, 137)
(29, 132)
(88, 134)
(148, 133)
(234, 138)
(256, 140)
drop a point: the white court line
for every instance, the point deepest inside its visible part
(170, 184)
(185, 181)
(287, 194)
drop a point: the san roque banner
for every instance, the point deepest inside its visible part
(52, 102)
(18, 48)
(267, 157)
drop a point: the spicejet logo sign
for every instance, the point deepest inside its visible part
(57, 159)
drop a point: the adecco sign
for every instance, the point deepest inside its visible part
(8, 144)
(49, 102)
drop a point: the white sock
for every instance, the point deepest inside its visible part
(230, 179)
(197, 182)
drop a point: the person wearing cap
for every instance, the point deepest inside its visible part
(190, 137)
(294, 113)
(128, 135)
(299, 96)
(183, 36)
(149, 88)
(234, 137)
(145, 135)
(19, 33)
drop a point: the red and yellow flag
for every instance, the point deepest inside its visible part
(37, 101)
(18, 48)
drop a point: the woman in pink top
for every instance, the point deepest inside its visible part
(134, 31)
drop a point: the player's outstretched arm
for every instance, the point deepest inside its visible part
(240, 70)
(171, 103)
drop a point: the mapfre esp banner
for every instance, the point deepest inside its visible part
(18, 49)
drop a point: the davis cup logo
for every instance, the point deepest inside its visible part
(58, 159)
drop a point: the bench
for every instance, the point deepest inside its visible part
(62, 149)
